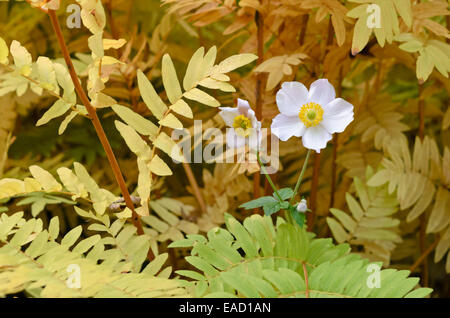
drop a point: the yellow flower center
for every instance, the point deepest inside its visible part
(311, 114)
(242, 125)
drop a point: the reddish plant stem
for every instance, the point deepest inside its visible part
(335, 147)
(423, 220)
(187, 169)
(315, 176)
(330, 33)
(112, 25)
(195, 187)
(305, 273)
(259, 19)
(301, 38)
(95, 121)
(109, 13)
(333, 170)
(447, 21)
(421, 114)
(424, 255)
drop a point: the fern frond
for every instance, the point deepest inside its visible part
(259, 259)
(381, 123)
(42, 268)
(421, 182)
(370, 223)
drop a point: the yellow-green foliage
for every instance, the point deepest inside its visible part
(150, 67)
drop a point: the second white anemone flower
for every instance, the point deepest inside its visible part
(245, 128)
(313, 115)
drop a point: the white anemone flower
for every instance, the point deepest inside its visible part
(245, 128)
(313, 115)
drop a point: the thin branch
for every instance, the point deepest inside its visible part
(264, 171)
(195, 187)
(422, 219)
(424, 255)
(259, 19)
(95, 121)
(300, 177)
(335, 148)
(301, 38)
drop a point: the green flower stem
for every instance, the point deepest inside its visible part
(268, 177)
(300, 177)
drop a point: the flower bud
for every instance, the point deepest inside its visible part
(301, 206)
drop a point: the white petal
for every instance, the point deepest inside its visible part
(234, 140)
(291, 97)
(284, 127)
(228, 114)
(243, 104)
(337, 107)
(337, 124)
(321, 92)
(337, 116)
(316, 138)
(251, 115)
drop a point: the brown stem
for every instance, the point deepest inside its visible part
(423, 220)
(112, 25)
(335, 146)
(330, 33)
(188, 171)
(314, 189)
(301, 38)
(447, 21)
(421, 113)
(195, 187)
(259, 80)
(259, 19)
(333, 170)
(95, 121)
(305, 273)
(424, 255)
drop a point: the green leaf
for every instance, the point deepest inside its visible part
(419, 293)
(86, 244)
(285, 193)
(272, 207)
(53, 228)
(258, 202)
(22, 235)
(70, 238)
(155, 265)
(298, 216)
